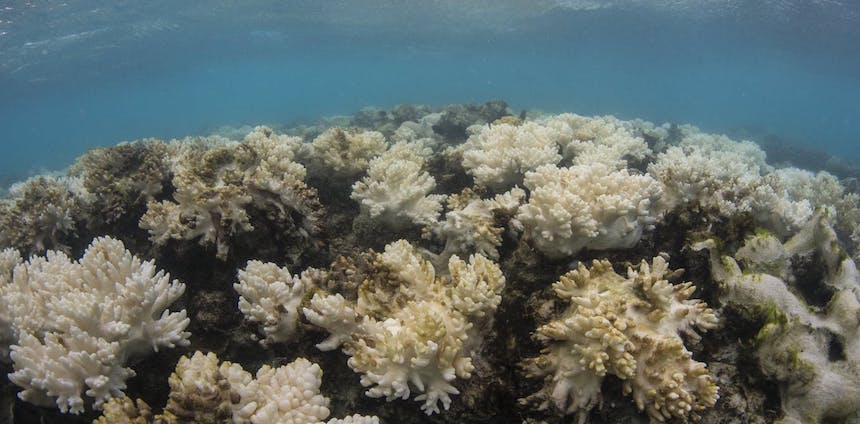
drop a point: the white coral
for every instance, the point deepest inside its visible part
(420, 336)
(397, 188)
(498, 155)
(600, 139)
(629, 327)
(587, 206)
(79, 323)
(269, 295)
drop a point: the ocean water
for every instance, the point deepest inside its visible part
(78, 74)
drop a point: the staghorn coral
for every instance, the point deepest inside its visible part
(410, 330)
(629, 327)
(203, 390)
(217, 190)
(587, 206)
(809, 347)
(78, 323)
(43, 213)
(269, 295)
(396, 190)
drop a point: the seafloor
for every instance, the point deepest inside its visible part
(765, 332)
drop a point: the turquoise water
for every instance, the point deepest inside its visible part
(79, 74)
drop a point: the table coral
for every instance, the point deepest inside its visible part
(629, 327)
(409, 329)
(78, 323)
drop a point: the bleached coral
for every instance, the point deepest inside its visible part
(475, 225)
(202, 390)
(411, 330)
(810, 347)
(397, 188)
(498, 155)
(43, 213)
(9, 259)
(217, 188)
(629, 327)
(78, 323)
(269, 295)
(600, 139)
(345, 152)
(587, 206)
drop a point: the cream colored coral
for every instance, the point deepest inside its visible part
(473, 224)
(587, 206)
(396, 190)
(216, 187)
(78, 323)
(409, 330)
(269, 295)
(600, 139)
(345, 152)
(629, 327)
(498, 155)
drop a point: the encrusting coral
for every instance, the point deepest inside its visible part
(629, 327)
(217, 190)
(77, 324)
(202, 390)
(409, 329)
(809, 346)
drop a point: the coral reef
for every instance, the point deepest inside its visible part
(476, 212)
(629, 327)
(77, 324)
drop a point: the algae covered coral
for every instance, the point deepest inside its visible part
(421, 264)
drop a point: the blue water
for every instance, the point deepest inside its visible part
(79, 74)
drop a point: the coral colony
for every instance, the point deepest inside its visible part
(454, 264)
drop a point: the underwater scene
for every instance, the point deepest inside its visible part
(488, 211)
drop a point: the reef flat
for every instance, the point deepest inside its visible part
(467, 263)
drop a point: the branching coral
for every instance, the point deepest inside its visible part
(202, 390)
(475, 225)
(345, 152)
(397, 188)
(271, 296)
(498, 155)
(409, 329)
(629, 327)
(43, 213)
(218, 188)
(601, 139)
(78, 323)
(587, 206)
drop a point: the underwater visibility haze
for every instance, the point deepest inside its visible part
(439, 211)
